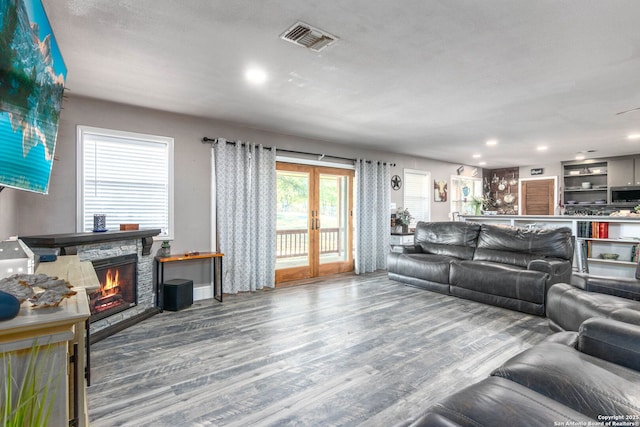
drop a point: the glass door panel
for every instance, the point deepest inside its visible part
(334, 218)
(314, 225)
(292, 224)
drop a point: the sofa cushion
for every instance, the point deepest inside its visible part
(568, 306)
(582, 382)
(499, 279)
(453, 238)
(519, 246)
(497, 402)
(434, 268)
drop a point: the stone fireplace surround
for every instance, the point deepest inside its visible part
(91, 246)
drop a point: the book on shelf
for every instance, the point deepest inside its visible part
(635, 253)
(593, 229)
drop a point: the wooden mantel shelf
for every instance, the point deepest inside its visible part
(68, 242)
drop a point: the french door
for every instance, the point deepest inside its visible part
(314, 221)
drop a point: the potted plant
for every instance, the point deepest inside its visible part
(477, 204)
(27, 395)
(403, 218)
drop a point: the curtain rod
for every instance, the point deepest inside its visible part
(282, 150)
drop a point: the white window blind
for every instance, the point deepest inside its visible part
(417, 194)
(126, 176)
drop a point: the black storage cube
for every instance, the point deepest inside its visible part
(178, 294)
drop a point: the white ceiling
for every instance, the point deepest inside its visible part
(428, 78)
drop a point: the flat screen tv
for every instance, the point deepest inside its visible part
(32, 79)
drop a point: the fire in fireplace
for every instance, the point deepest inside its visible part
(118, 286)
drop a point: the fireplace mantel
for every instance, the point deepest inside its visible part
(68, 242)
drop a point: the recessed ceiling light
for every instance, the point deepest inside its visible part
(492, 142)
(255, 76)
(580, 157)
(482, 163)
(542, 148)
(633, 136)
(477, 156)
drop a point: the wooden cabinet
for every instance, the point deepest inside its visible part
(623, 172)
(585, 183)
(59, 332)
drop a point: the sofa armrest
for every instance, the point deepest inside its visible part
(624, 287)
(406, 249)
(611, 340)
(559, 270)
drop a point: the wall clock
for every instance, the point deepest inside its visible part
(396, 182)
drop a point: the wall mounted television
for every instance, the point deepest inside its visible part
(32, 79)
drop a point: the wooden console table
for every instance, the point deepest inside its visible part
(60, 334)
(216, 271)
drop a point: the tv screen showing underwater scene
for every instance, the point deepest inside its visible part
(32, 78)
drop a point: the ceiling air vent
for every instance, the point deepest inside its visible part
(307, 36)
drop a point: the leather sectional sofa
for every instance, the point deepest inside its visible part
(590, 377)
(570, 304)
(505, 266)
(587, 374)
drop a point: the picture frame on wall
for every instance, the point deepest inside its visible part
(32, 80)
(439, 190)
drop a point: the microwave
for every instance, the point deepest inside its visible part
(626, 194)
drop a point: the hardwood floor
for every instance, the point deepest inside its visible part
(344, 351)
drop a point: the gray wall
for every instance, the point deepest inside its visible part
(551, 169)
(8, 213)
(26, 213)
(56, 212)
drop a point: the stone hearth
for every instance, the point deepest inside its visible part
(93, 246)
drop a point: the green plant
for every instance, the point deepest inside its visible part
(27, 399)
(403, 217)
(477, 203)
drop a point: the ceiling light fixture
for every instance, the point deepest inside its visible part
(482, 163)
(633, 136)
(255, 76)
(542, 148)
(477, 156)
(580, 156)
(492, 142)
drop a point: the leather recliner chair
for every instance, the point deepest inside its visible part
(618, 298)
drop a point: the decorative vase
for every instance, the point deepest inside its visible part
(165, 249)
(9, 306)
(99, 222)
(405, 228)
(478, 209)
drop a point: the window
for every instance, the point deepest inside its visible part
(126, 176)
(463, 191)
(417, 194)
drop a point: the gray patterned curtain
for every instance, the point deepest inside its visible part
(372, 215)
(245, 176)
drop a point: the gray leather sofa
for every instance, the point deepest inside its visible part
(572, 378)
(499, 265)
(568, 305)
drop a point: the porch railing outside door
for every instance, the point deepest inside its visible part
(294, 243)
